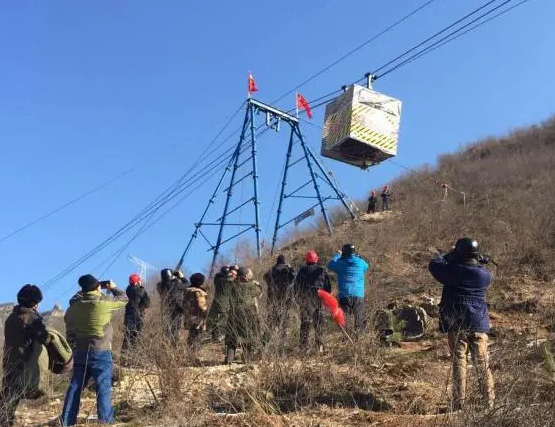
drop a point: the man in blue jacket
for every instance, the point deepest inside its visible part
(350, 270)
(463, 314)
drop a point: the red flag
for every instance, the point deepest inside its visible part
(333, 306)
(303, 103)
(252, 84)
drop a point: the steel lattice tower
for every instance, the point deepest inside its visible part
(248, 144)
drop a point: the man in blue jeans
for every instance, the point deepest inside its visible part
(350, 270)
(89, 332)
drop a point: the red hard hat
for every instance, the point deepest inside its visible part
(311, 257)
(134, 279)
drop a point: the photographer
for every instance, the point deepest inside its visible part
(89, 331)
(464, 314)
(133, 322)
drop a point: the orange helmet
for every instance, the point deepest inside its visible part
(311, 257)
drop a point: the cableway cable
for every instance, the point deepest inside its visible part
(356, 49)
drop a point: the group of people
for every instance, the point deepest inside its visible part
(373, 200)
(234, 315)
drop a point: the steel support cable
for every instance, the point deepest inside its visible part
(114, 256)
(82, 196)
(111, 181)
(315, 103)
(449, 37)
(126, 227)
(356, 49)
(174, 190)
(131, 224)
(412, 49)
(455, 37)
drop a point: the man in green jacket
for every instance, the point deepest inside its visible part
(90, 333)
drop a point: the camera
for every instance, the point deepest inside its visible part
(104, 284)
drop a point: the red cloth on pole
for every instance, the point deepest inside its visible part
(252, 84)
(303, 103)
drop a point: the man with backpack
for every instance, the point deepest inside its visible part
(133, 321)
(23, 329)
(310, 278)
(279, 280)
(351, 270)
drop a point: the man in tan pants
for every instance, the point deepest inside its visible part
(464, 315)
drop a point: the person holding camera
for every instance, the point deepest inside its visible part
(463, 314)
(133, 322)
(89, 332)
(351, 270)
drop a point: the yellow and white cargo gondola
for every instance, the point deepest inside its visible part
(361, 127)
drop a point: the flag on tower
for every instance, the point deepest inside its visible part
(303, 103)
(252, 84)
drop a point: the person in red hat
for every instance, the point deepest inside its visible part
(310, 278)
(133, 322)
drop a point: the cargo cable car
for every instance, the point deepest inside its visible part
(361, 126)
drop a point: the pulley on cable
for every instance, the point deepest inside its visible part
(361, 126)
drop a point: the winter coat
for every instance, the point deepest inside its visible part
(310, 278)
(172, 294)
(243, 317)
(88, 319)
(25, 358)
(386, 194)
(195, 307)
(373, 201)
(463, 299)
(138, 302)
(23, 327)
(350, 272)
(279, 280)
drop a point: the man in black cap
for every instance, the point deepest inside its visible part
(24, 327)
(279, 298)
(89, 331)
(464, 316)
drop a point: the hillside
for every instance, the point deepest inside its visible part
(508, 206)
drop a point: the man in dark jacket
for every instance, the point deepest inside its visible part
(23, 327)
(386, 195)
(279, 280)
(351, 270)
(464, 314)
(310, 278)
(372, 203)
(133, 321)
(172, 289)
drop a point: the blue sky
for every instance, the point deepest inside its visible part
(91, 89)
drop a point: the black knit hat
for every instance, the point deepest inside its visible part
(29, 296)
(281, 259)
(88, 282)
